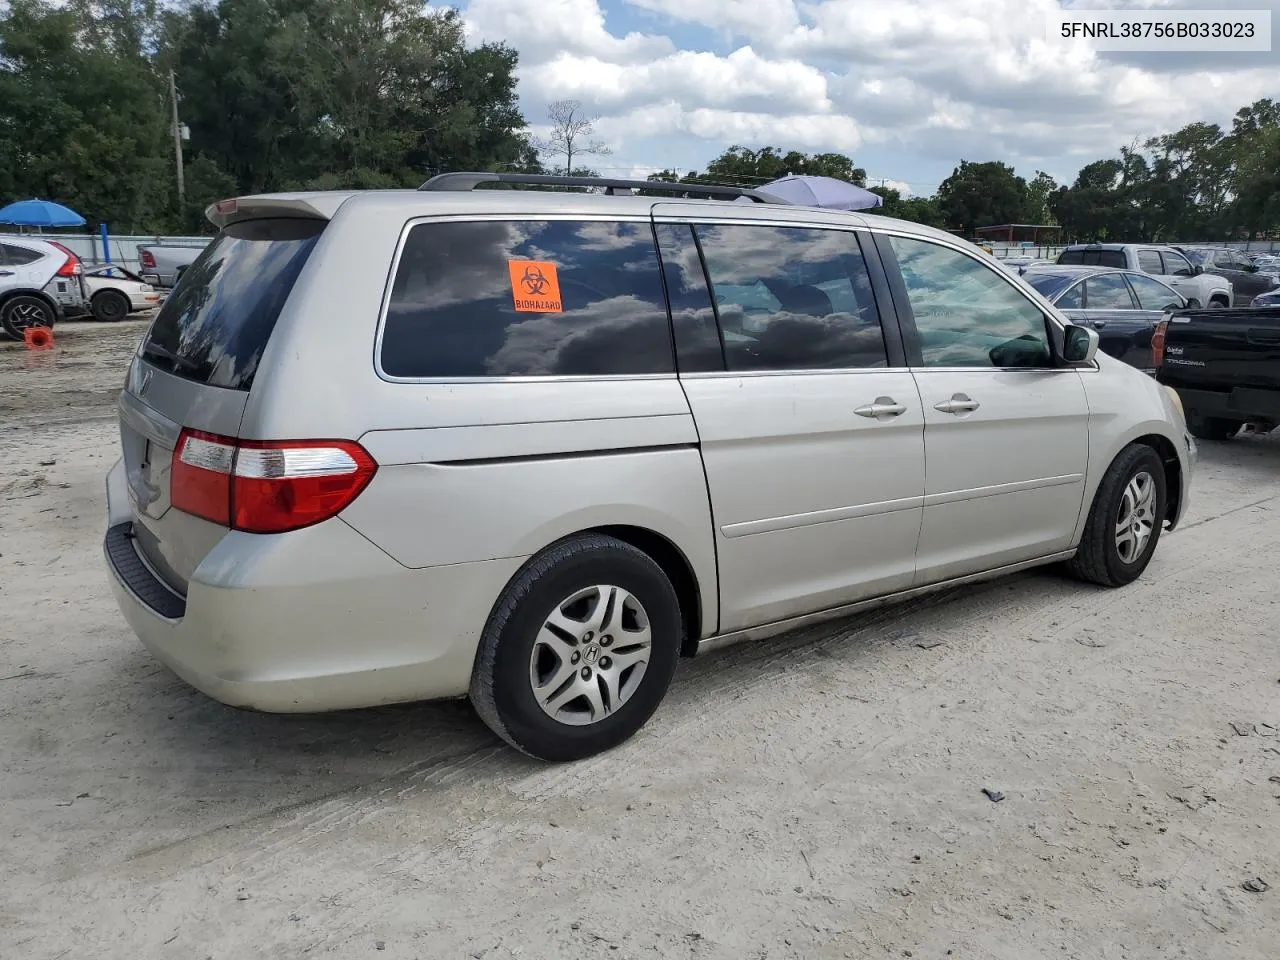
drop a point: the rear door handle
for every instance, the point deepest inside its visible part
(882, 407)
(959, 403)
(6, 273)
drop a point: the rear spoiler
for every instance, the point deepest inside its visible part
(297, 206)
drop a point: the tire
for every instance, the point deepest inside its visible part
(1193, 303)
(1101, 558)
(25, 310)
(1212, 428)
(521, 664)
(1216, 304)
(110, 306)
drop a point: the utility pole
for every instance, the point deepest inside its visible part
(177, 138)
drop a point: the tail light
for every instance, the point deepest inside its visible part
(71, 267)
(266, 486)
(1157, 342)
(147, 259)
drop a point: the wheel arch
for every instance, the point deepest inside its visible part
(678, 569)
(1168, 454)
(29, 292)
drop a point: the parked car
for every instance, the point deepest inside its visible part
(1267, 265)
(115, 292)
(162, 264)
(39, 283)
(1020, 265)
(1164, 263)
(1225, 366)
(1271, 299)
(1123, 306)
(565, 438)
(1247, 280)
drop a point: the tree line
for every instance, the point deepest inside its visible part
(326, 94)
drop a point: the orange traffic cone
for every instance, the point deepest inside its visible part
(38, 338)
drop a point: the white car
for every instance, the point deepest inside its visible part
(39, 283)
(114, 293)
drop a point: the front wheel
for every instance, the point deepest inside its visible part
(579, 650)
(23, 311)
(1125, 520)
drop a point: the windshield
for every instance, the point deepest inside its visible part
(1048, 285)
(215, 325)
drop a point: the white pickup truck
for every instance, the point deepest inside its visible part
(1165, 263)
(161, 264)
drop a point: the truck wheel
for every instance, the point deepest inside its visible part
(1193, 303)
(110, 306)
(1212, 428)
(1217, 303)
(1125, 520)
(579, 650)
(23, 311)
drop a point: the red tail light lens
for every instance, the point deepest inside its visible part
(71, 267)
(267, 486)
(147, 259)
(1157, 342)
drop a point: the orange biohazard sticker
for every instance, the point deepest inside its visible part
(535, 288)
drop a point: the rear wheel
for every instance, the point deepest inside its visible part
(1125, 520)
(1212, 428)
(110, 306)
(23, 311)
(1217, 303)
(579, 650)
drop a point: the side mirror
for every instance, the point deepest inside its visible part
(1080, 344)
(1196, 270)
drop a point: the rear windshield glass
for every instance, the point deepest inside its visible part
(214, 326)
(1093, 258)
(1048, 285)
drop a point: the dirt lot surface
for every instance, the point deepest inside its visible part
(816, 796)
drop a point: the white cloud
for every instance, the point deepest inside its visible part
(919, 84)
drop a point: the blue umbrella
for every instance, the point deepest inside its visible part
(826, 192)
(40, 213)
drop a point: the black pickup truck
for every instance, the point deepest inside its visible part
(1225, 365)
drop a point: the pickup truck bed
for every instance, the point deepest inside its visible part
(1225, 365)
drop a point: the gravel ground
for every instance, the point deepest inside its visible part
(815, 796)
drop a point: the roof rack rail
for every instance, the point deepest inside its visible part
(469, 181)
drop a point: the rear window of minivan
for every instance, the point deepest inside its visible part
(214, 326)
(509, 298)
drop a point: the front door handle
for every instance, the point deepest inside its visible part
(6, 273)
(959, 403)
(882, 407)
(1098, 323)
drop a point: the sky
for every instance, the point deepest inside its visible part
(907, 88)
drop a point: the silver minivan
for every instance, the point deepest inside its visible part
(532, 446)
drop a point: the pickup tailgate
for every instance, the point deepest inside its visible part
(1222, 350)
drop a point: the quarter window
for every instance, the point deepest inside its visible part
(966, 313)
(527, 298)
(792, 298)
(1107, 291)
(17, 256)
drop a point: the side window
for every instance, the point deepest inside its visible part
(1154, 295)
(792, 298)
(1107, 291)
(17, 256)
(693, 318)
(1149, 262)
(1175, 264)
(966, 313)
(1072, 298)
(527, 298)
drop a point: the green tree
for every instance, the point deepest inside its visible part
(1039, 190)
(982, 194)
(82, 113)
(744, 167)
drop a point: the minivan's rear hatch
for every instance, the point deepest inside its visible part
(191, 381)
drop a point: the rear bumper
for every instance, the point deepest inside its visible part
(1242, 403)
(314, 620)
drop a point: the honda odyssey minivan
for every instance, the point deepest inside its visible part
(531, 447)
